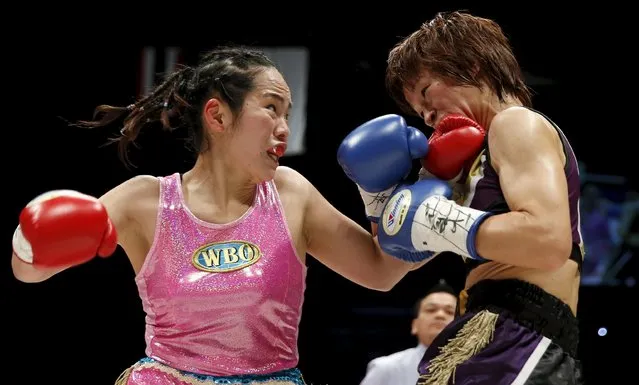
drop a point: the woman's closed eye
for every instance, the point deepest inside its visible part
(272, 107)
(424, 91)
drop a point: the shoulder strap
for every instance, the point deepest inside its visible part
(170, 190)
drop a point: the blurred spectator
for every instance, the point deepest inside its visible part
(431, 314)
(596, 232)
(625, 257)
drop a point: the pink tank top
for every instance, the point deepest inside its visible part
(222, 299)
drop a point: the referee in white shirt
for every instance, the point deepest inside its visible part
(431, 315)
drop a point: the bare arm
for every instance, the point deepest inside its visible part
(346, 247)
(117, 202)
(527, 155)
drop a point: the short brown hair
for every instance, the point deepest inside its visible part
(461, 48)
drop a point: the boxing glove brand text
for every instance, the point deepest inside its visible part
(396, 211)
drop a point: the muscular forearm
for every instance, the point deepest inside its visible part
(381, 271)
(519, 239)
(385, 271)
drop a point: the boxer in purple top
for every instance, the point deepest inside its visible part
(509, 207)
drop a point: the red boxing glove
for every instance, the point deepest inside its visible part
(455, 143)
(64, 228)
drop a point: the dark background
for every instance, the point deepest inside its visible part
(88, 321)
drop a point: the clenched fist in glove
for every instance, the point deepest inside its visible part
(63, 228)
(379, 154)
(453, 146)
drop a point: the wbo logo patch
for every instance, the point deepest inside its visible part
(227, 256)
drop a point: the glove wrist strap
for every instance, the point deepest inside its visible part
(441, 225)
(374, 202)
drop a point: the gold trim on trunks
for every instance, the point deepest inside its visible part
(474, 336)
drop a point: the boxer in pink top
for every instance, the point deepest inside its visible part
(219, 251)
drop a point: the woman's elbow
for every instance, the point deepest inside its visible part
(386, 277)
(385, 271)
(557, 246)
(389, 285)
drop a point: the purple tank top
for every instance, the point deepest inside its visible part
(222, 299)
(484, 191)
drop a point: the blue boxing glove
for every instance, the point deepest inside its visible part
(377, 156)
(421, 221)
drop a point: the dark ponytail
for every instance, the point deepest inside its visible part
(227, 73)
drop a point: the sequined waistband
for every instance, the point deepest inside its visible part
(148, 367)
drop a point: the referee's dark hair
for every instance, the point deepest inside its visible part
(439, 287)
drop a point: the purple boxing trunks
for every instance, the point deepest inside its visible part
(510, 332)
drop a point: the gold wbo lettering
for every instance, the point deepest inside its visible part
(227, 256)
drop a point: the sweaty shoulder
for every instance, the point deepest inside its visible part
(128, 193)
(290, 182)
(518, 132)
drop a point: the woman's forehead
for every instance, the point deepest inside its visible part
(272, 83)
